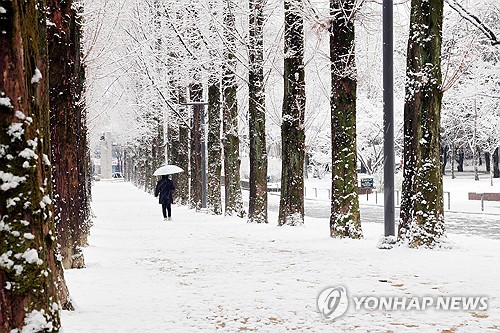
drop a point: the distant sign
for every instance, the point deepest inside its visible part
(366, 182)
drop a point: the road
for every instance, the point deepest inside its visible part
(484, 225)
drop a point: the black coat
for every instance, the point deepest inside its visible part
(165, 189)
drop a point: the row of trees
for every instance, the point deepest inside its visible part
(44, 161)
(171, 53)
(207, 54)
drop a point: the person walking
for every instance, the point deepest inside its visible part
(165, 190)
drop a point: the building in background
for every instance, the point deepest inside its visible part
(106, 156)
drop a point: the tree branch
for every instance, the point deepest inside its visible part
(474, 20)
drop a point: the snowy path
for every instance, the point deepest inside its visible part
(202, 273)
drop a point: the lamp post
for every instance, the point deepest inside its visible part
(201, 109)
(388, 83)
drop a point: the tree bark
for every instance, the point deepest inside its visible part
(422, 215)
(182, 185)
(30, 272)
(291, 211)
(214, 147)
(68, 131)
(345, 217)
(196, 92)
(257, 208)
(232, 186)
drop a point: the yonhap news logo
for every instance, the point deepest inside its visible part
(333, 303)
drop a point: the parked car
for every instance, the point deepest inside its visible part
(117, 175)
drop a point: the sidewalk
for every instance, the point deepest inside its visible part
(203, 273)
(480, 224)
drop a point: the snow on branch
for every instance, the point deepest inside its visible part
(474, 20)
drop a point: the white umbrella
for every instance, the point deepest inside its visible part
(167, 170)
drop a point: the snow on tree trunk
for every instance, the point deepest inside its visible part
(148, 161)
(157, 146)
(196, 91)
(474, 144)
(232, 186)
(182, 184)
(291, 211)
(160, 126)
(257, 209)
(29, 262)
(214, 147)
(422, 216)
(172, 141)
(68, 132)
(345, 217)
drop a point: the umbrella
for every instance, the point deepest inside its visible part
(167, 170)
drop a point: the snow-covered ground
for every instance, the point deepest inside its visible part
(462, 215)
(202, 273)
(457, 189)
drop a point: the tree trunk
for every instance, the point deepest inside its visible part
(345, 217)
(491, 172)
(172, 156)
(172, 129)
(257, 208)
(422, 215)
(291, 211)
(149, 183)
(444, 159)
(234, 201)
(487, 157)
(30, 273)
(172, 143)
(196, 92)
(182, 184)
(157, 143)
(496, 169)
(461, 158)
(453, 160)
(68, 132)
(126, 165)
(214, 147)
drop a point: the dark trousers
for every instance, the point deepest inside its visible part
(166, 208)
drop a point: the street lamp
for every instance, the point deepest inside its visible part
(388, 83)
